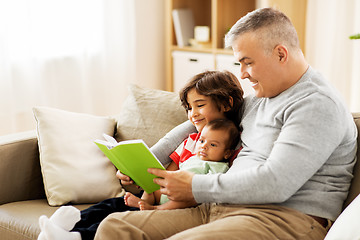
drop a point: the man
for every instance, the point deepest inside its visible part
(291, 177)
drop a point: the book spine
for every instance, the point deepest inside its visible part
(177, 27)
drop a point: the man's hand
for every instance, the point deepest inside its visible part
(177, 185)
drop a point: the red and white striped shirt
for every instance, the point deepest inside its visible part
(186, 149)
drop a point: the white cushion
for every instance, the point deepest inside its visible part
(149, 114)
(346, 226)
(73, 167)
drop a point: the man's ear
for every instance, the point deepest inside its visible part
(281, 52)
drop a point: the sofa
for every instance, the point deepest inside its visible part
(25, 191)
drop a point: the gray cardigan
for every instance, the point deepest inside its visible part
(298, 151)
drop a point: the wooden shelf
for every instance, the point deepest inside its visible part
(218, 15)
(191, 49)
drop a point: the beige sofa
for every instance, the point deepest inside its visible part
(22, 196)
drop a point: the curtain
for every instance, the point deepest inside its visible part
(329, 49)
(75, 55)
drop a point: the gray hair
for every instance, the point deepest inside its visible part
(271, 27)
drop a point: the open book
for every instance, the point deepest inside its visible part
(132, 158)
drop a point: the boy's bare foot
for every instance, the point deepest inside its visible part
(131, 200)
(146, 206)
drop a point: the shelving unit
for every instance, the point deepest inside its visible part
(219, 16)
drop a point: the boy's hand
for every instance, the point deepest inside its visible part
(175, 184)
(125, 180)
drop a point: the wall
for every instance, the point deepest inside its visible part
(150, 43)
(329, 49)
(93, 82)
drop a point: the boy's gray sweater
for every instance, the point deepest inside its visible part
(298, 151)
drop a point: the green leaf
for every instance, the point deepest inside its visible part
(355, 36)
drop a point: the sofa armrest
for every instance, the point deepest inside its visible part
(20, 174)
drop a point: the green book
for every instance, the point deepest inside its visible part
(132, 158)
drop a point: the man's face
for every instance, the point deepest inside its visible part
(260, 68)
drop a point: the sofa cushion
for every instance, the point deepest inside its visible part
(149, 114)
(346, 226)
(73, 167)
(19, 220)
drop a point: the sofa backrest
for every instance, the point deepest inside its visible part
(355, 183)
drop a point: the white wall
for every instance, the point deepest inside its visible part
(150, 43)
(84, 81)
(329, 49)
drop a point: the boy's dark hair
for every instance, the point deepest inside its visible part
(230, 127)
(220, 87)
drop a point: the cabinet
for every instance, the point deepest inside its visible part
(219, 16)
(188, 64)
